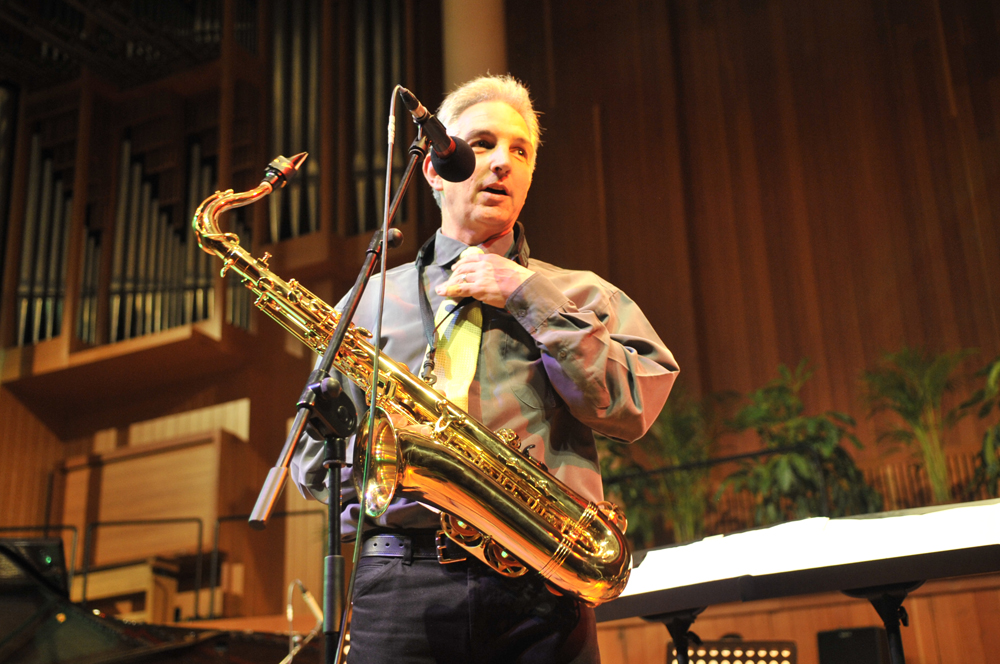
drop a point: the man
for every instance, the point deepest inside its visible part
(562, 354)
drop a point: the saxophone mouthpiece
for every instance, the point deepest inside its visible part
(282, 169)
(298, 159)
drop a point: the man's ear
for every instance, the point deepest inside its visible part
(431, 175)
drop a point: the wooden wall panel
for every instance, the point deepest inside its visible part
(172, 484)
(607, 193)
(775, 180)
(175, 479)
(232, 416)
(29, 451)
(305, 544)
(872, 257)
(208, 475)
(951, 620)
(75, 508)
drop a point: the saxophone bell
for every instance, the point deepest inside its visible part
(382, 468)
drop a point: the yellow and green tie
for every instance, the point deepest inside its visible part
(457, 350)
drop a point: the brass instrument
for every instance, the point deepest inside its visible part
(497, 502)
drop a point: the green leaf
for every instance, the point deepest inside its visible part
(803, 467)
(785, 476)
(785, 487)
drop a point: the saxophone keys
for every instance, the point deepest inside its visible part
(459, 531)
(538, 464)
(502, 560)
(614, 514)
(441, 425)
(442, 550)
(509, 438)
(447, 417)
(293, 291)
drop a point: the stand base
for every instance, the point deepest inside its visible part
(888, 603)
(679, 625)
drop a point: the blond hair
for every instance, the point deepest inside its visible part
(503, 88)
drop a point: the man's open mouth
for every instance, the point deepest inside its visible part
(496, 189)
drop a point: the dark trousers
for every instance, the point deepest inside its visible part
(422, 611)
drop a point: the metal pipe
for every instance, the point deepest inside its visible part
(118, 257)
(52, 262)
(135, 198)
(61, 288)
(191, 258)
(28, 238)
(41, 251)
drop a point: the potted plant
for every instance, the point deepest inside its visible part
(984, 400)
(662, 480)
(628, 484)
(810, 472)
(912, 385)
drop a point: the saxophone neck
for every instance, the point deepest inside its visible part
(206, 218)
(210, 236)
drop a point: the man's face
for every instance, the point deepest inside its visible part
(488, 203)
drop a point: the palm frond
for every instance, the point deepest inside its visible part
(911, 384)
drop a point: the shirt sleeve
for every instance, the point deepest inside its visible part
(599, 351)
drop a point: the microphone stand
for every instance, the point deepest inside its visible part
(329, 412)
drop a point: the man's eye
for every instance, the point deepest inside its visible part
(482, 143)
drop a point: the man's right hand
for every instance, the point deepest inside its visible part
(489, 278)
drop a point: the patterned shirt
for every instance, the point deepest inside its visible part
(569, 355)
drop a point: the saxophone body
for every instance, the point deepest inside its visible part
(496, 502)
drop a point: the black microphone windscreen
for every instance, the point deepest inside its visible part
(457, 167)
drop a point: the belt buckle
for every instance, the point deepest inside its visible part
(441, 544)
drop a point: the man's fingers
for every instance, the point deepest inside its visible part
(453, 287)
(470, 258)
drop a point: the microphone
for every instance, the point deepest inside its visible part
(452, 157)
(310, 602)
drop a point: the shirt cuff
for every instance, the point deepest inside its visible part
(534, 302)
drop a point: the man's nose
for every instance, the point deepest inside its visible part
(500, 161)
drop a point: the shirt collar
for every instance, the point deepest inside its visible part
(447, 250)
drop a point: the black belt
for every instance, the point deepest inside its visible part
(428, 545)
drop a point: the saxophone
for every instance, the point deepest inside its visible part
(496, 502)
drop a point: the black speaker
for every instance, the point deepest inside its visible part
(859, 645)
(44, 557)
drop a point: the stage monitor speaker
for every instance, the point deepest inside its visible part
(44, 556)
(858, 645)
(38, 624)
